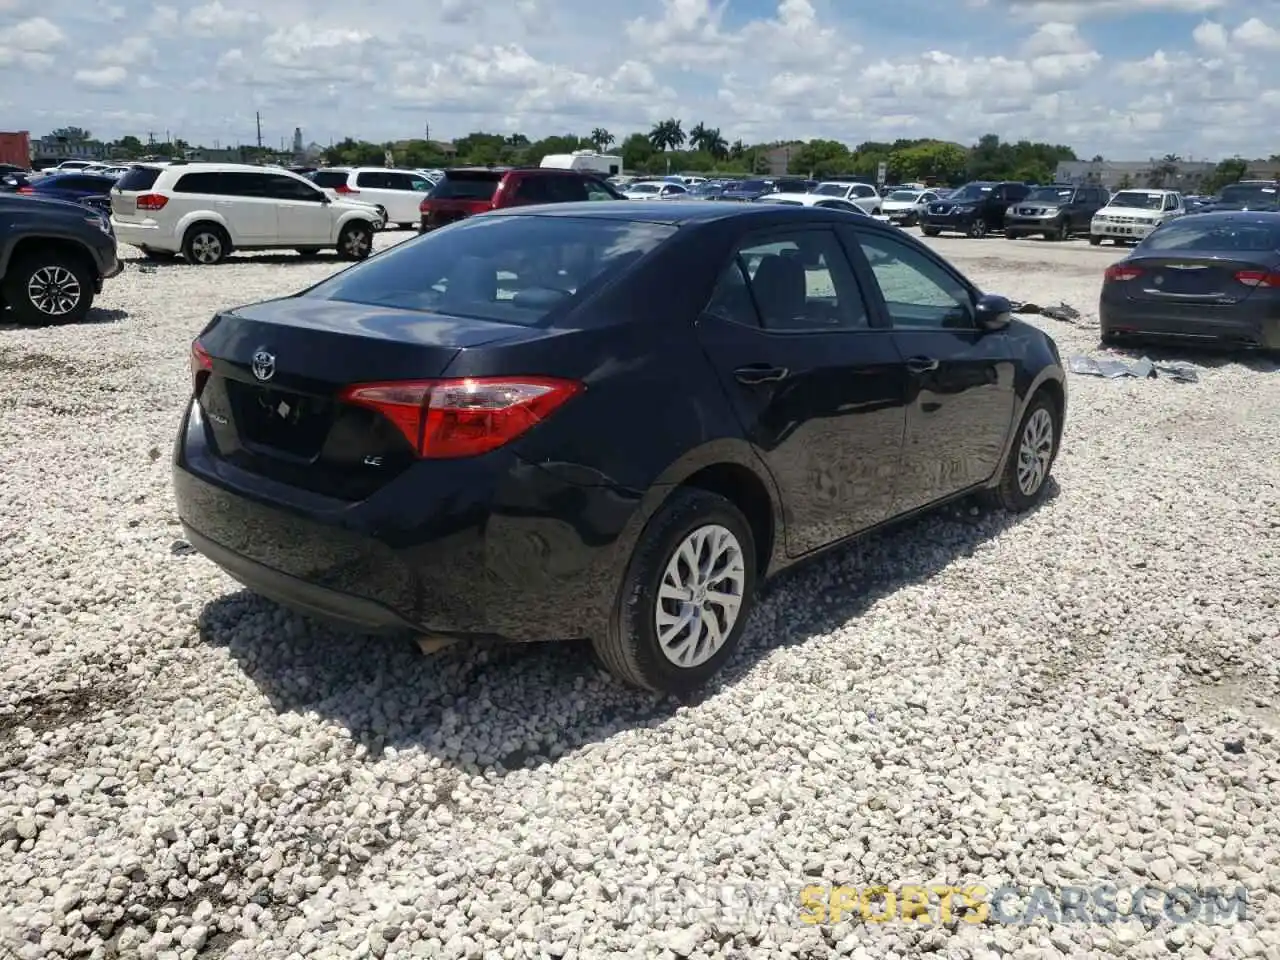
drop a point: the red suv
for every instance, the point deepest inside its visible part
(470, 190)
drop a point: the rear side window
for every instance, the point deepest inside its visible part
(373, 179)
(210, 183)
(139, 178)
(329, 178)
(517, 269)
(466, 187)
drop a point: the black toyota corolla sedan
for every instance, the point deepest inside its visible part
(1203, 278)
(606, 421)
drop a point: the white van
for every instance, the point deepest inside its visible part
(603, 164)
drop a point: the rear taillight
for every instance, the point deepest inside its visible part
(1121, 272)
(1258, 278)
(343, 190)
(424, 206)
(152, 201)
(27, 190)
(448, 419)
(201, 366)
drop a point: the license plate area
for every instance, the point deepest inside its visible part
(290, 423)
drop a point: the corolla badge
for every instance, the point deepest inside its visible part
(264, 365)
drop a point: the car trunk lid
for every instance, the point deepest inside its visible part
(1212, 278)
(270, 380)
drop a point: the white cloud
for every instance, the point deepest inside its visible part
(1256, 34)
(104, 78)
(1107, 76)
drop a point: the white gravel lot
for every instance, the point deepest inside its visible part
(1088, 695)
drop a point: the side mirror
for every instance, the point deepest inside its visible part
(993, 312)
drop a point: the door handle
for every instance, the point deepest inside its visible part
(760, 373)
(922, 364)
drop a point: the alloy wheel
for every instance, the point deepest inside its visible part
(1035, 452)
(700, 596)
(54, 291)
(357, 243)
(206, 247)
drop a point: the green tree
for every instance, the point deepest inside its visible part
(667, 135)
(1227, 172)
(927, 161)
(601, 139)
(637, 150)
(821, 158)
(72, 134)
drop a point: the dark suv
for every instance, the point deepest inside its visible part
(470, 190)
(1056, 211)
(975, 210)
(54, 256)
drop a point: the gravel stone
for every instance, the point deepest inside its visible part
(1084, 695)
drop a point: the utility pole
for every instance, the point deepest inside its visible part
(257, 115)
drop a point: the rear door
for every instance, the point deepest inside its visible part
(246, 202)
(375, 187)
(960, 379)
(303, 215)
(405, 192)
(818, 387)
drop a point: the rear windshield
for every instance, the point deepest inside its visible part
(1204, 232)
(466, 186)
(329, 178)
(1249, 193)
(513, 269)
(749, 185)
(139, 178)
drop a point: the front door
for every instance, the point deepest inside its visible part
(960, 378)
(302, 212)
(818, 387)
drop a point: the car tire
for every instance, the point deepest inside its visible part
(355, 242)
(382, 217)
(1107, 338)
(876, 212)
(1010, 235)
(930, 231)
(1095, 240)
(691, 521)
(978, 228)
(49, 287)
(205, 244)
(1031, 459)
(1061, 232)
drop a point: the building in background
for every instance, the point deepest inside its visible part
(49, 150)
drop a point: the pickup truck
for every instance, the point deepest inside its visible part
(54, 257)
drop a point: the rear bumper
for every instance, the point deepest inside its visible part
(145, 235)
(489, 548)
(1232, 326)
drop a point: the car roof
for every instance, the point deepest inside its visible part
(683, 212)
(1270, 217)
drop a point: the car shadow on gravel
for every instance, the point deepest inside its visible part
(146, 265)
(498, 708)
(96, 315)
(1214, 357)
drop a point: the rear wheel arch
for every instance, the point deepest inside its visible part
(745, 490)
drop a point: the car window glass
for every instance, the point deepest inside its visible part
(372, 179)
(917, 291)
(287, 188)
(420, 184)
(533, 190)
(802, 281)
(597, 191)
(566, 189)
(510, 269)
(731, 298)
(1170, 202)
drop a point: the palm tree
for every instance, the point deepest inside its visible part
(667, 135)
(1166, 168)
(602, 139)
(698, 136)
(715, 144)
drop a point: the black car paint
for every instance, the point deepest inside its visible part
(31, 221)
(960, 215)
(531, 541)
(1218, 312)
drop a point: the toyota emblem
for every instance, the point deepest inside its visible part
(264, 365)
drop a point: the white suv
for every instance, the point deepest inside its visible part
(863, 194)
(206, 210)
(395, 193)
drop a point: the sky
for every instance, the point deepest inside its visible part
(1127, 79)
